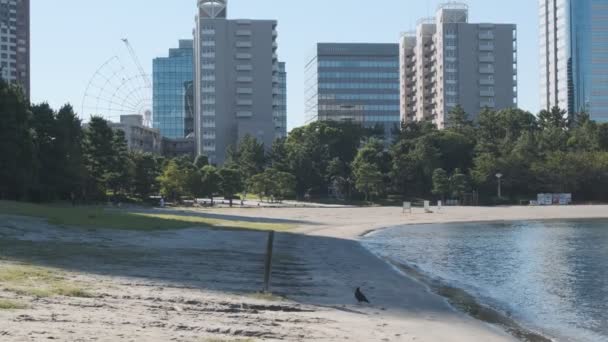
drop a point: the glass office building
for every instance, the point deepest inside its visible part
(574, 56)
(354, 83)
(173, 93)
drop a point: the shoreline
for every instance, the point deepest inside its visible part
(318, 264)
(461, 299)
(464, 302)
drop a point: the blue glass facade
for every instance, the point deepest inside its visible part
(355, 83)
(588, 64)
(574, 56)
(173, 93)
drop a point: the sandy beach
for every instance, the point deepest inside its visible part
(200, 285)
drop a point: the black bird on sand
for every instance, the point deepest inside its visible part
(360, 296)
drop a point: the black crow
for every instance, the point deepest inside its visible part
(360, 296)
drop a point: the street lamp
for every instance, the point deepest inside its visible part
(499, 176)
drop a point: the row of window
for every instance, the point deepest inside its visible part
(327, 74)
(359, 64)
(365, 107)
(359, 96)
(359, 85)
(383, 118)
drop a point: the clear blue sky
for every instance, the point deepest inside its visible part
(72, 38)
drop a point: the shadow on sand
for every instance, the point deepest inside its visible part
(307, 269)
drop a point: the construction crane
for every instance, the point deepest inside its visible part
(137, 63)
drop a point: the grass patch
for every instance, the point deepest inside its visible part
(6, 304)
(97, 217)
(39, 282)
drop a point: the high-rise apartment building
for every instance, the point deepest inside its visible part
(172, 93)
(574, 56)
(15, 42)
(280, 105)
(236, 80)
(354, 83)
(449, 61)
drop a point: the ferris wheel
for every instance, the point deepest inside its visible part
(118, 88)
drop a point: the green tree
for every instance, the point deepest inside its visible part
(284, 185)
(555, 118)
(373, 152)
(458, 184)
(249, 158)
(231, 183)
(173, 181)
(98, 153)
(458, 121)
(260, 185)
(121, 170)
(201, 161)
(68, 140)
(211, 182)
(278, 155)
(272, 184)
(146, 172)
(441, 183)
(48, 159)
(368, 180)
(17, 151)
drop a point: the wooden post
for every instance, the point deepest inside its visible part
(268, 262)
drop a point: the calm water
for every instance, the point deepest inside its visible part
(551, 276)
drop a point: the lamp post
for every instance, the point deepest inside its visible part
(499, 176)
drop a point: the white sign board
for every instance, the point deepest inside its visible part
(407, 206)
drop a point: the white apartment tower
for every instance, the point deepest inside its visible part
(448, 61)
(237, 83)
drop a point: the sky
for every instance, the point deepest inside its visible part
(71, 39)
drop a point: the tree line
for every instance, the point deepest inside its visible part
(545, 153)
(48, 155)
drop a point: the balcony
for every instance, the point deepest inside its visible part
(244, 114)
(486, 47)
(487, 93)
(244, 102)
(244, 90)
(243, 56)
(486, 81)
(486, 69)
(243, 33)
(487, 58)
(244, 44)
(489, 35)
